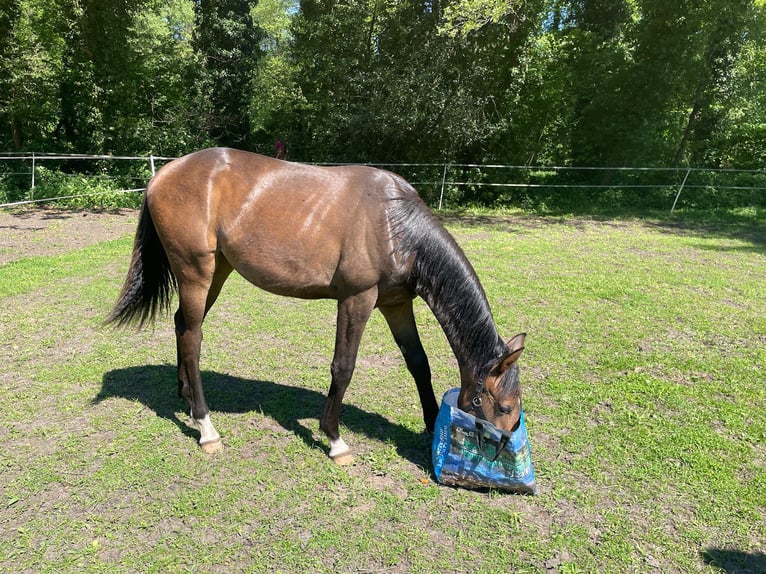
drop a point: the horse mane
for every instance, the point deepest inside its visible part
(442, 275)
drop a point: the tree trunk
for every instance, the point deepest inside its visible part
(690, 124)
(16, 134)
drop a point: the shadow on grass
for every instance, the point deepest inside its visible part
(155, 387)
(748, 227)
(734, 561)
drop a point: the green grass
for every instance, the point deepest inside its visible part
(644, 397)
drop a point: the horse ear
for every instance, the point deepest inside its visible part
(516, 346)
(517, 342)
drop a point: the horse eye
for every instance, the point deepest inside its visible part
(504, 409)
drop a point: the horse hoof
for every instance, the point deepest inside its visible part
(343, 459)
(211, 446)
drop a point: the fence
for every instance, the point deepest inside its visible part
(32, 178)
(23, 175)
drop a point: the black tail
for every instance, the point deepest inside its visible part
(150, 283)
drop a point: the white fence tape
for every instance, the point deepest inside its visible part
(39, 158)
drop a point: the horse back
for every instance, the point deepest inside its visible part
(293, 229)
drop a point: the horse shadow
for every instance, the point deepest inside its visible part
(735, 561)
(155, 387)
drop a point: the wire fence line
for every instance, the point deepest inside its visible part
(74, 196)
(25, 173)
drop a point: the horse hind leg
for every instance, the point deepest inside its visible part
(353, 313)
(196, 296)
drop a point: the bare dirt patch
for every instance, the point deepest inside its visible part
(32, 232)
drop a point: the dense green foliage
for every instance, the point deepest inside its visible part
(521, 82)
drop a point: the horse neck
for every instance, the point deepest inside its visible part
(445, 279)
(447, 282)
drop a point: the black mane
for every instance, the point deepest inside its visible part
(444, 278)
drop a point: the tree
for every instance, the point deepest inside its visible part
(10, 14)
(582, 82)
(726, 27)
(31, 48)
(228, 45)
(386, 81)
(732, 131)
(164, 104)
(276, 100)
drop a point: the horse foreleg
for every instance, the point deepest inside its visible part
(353, 313)
(401, 321)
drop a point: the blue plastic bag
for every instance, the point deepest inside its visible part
(461, 457)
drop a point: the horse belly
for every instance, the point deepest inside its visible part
(283, 268)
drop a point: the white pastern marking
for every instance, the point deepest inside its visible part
(338, 447)
(206, 430)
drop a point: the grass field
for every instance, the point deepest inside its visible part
(644, 397)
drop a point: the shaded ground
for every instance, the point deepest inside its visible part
(30, 232)
(738, 227)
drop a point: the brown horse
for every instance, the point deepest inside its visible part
(356, 234)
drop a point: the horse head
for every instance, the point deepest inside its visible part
(496, 396)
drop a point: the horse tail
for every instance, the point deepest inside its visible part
(150, 283)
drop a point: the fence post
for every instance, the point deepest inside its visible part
(680, 189)
(151, 163)
(32, 190)
(444, 178)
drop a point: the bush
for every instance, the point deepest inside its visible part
(70, 190)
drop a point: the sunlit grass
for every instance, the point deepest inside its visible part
(643, 390)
